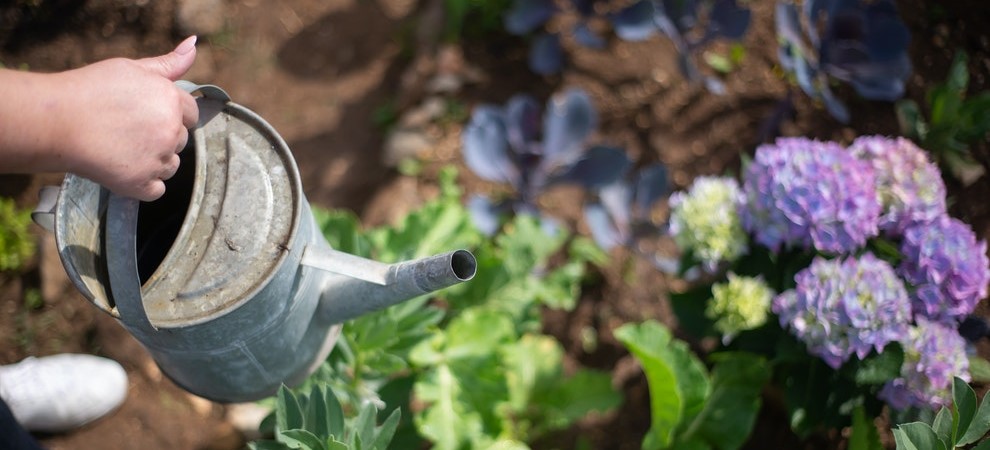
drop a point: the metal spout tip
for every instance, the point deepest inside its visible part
(463, 264)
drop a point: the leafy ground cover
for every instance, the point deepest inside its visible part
(342, 81)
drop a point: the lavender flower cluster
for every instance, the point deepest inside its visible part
(845, 307)
(818, 196)
(810, 194)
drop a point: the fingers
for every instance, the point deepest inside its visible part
(170, 168)
(152, 191)
(190, 111)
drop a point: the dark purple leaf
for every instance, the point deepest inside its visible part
(617, 199)
(486, 150)
(485, 214)
(569, 119)
(546, 56)
(603, 231)
(599, 167)
(835, 107)
(651, 185)
(523, 121)
(584, 7)
(788, 23)
(728, 20)
(526, 15)
(584, 36)
(635, 22)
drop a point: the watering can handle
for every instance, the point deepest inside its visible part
(208, 90)
(125, 283)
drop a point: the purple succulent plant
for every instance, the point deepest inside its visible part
(909, 184)
(806, 193)
(934, 353)
(683, 22)
(532, 150)
(947, 266)
(845, 307)
(861, 42)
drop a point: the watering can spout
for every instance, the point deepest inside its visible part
(358, 286)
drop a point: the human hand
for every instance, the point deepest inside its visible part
(122, 122)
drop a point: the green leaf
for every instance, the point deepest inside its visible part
(921, 436)
(288, 414)
(958, 79)
(979, 369)
(985, 445)
(720, 63)
(573, 398)
(363, 428)
(300, 439)
(881, 368)
(677, 379)
(864, 434)
(978, 427)
(730, 411)
(266, 445)
(910, 120)
(334, 413)
(943, 426)
(902, 441)
(317, 416)
(384, 434)
(964, 403)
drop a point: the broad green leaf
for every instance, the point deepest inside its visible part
(573, 398)
(985, 445)
(288, 414)
(678, 382)
(730, 411)
(978, 427)
(300, 439)
(964, 404)
(958, 78)
(921, 436)
(864, 434)
(881, 368)
(902, 441)
(334, 444)
(943, 426)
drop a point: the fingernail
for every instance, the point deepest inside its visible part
(187, 45)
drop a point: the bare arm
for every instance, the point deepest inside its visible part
(119, 122)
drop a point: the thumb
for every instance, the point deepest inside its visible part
(175, 64)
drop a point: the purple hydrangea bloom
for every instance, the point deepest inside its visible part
(947, 266)
(810, 194)
(909, 184)
(845, 307)
(934, 353)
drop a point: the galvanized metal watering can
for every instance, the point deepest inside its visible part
(227, 280)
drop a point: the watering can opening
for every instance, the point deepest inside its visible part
(160, 221)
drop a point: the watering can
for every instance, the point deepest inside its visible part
(227, 280)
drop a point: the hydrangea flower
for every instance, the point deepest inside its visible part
(947, 266)
(909, 184)
(741, 303)
(845, 307)
(812, 194)
(704, 220)
(934, 353)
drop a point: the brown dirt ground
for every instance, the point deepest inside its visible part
(320, 70)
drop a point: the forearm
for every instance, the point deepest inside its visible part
(30, 127)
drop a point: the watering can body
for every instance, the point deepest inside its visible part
(227, 280)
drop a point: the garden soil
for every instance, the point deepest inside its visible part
(331, 75)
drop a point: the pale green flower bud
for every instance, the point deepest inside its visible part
(742, 303)
(704, 220)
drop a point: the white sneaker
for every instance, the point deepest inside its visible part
(61, 392)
